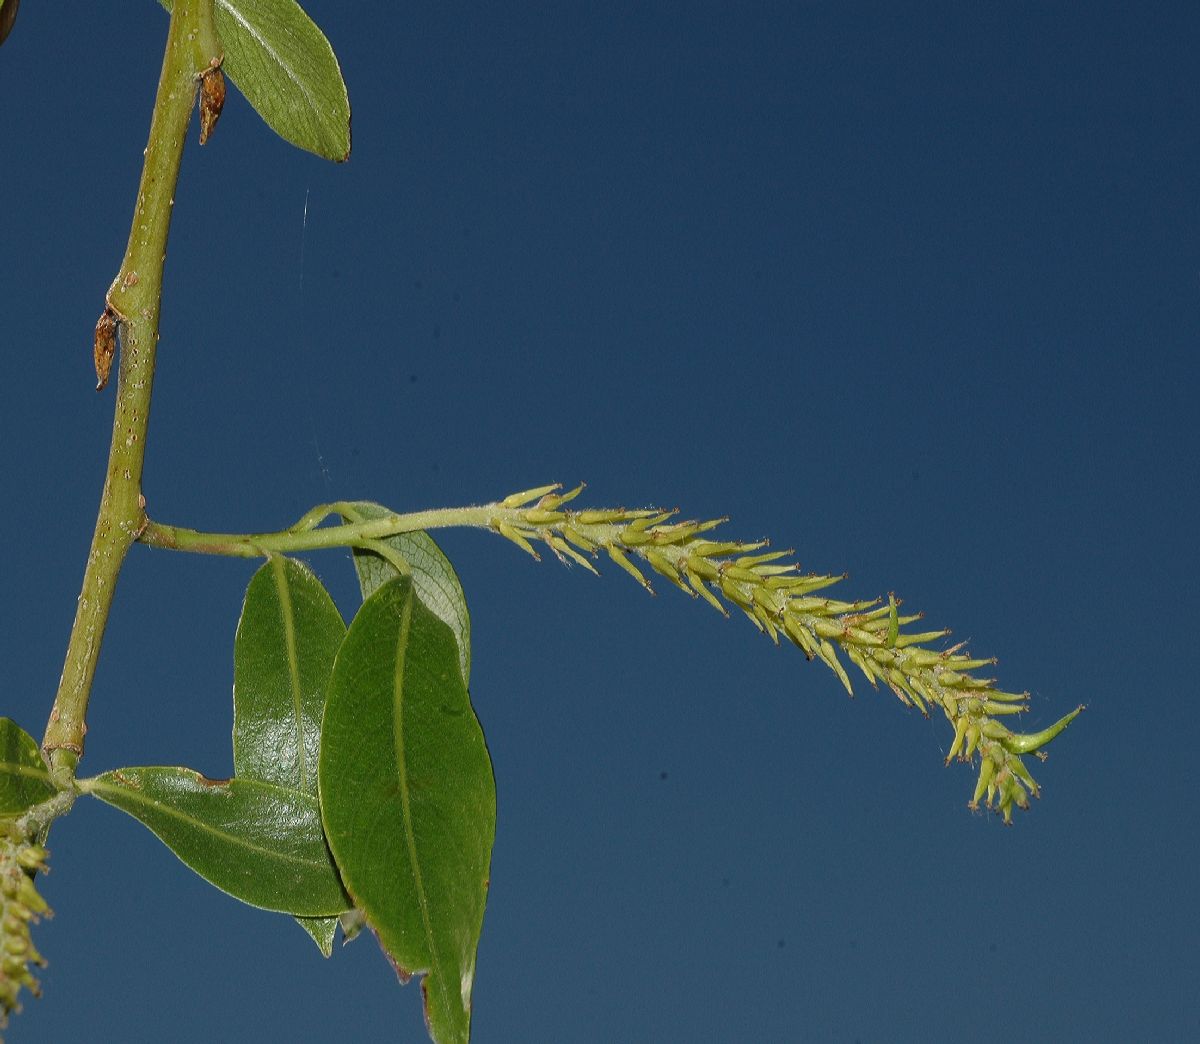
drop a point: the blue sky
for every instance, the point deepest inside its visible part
(913, 291)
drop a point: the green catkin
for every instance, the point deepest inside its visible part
(780, 599)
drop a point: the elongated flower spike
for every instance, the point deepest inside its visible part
(783, 602)
(20, 906)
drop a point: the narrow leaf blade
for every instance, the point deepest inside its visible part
(286, 69)
(408, 798)
(24, 778)
(287, 637)
(260, 843)
(434, 580)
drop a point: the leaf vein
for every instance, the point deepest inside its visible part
(288, 619)
(135, 797)
(262, 42)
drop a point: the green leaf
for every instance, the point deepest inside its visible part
(260, 842)
(408, 798)
(285, 67)
(287, 637)
(434, 579)
(24, 779)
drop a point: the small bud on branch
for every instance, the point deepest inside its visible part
(212, 100)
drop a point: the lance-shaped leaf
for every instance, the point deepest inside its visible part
(24, 780)
(434, 580)
(287, 637)
(260, 842)
(285, 67)
(408, 797)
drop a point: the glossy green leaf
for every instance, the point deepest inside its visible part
(285, 67)
(287, 637)
(24, 780)
(260, 842)
(408, 797)
(434, 579)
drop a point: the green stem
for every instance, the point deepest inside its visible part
(35, 823)
(302, 537)
(134, 298)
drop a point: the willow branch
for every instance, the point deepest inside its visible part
(780, 600)
(193, 53)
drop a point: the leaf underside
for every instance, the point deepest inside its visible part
(434, 580)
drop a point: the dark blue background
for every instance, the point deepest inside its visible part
(915, 290)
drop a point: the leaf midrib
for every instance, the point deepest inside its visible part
(99, 786)
(17, 768)
(402, 782)
(253, 32)
(288, 619)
